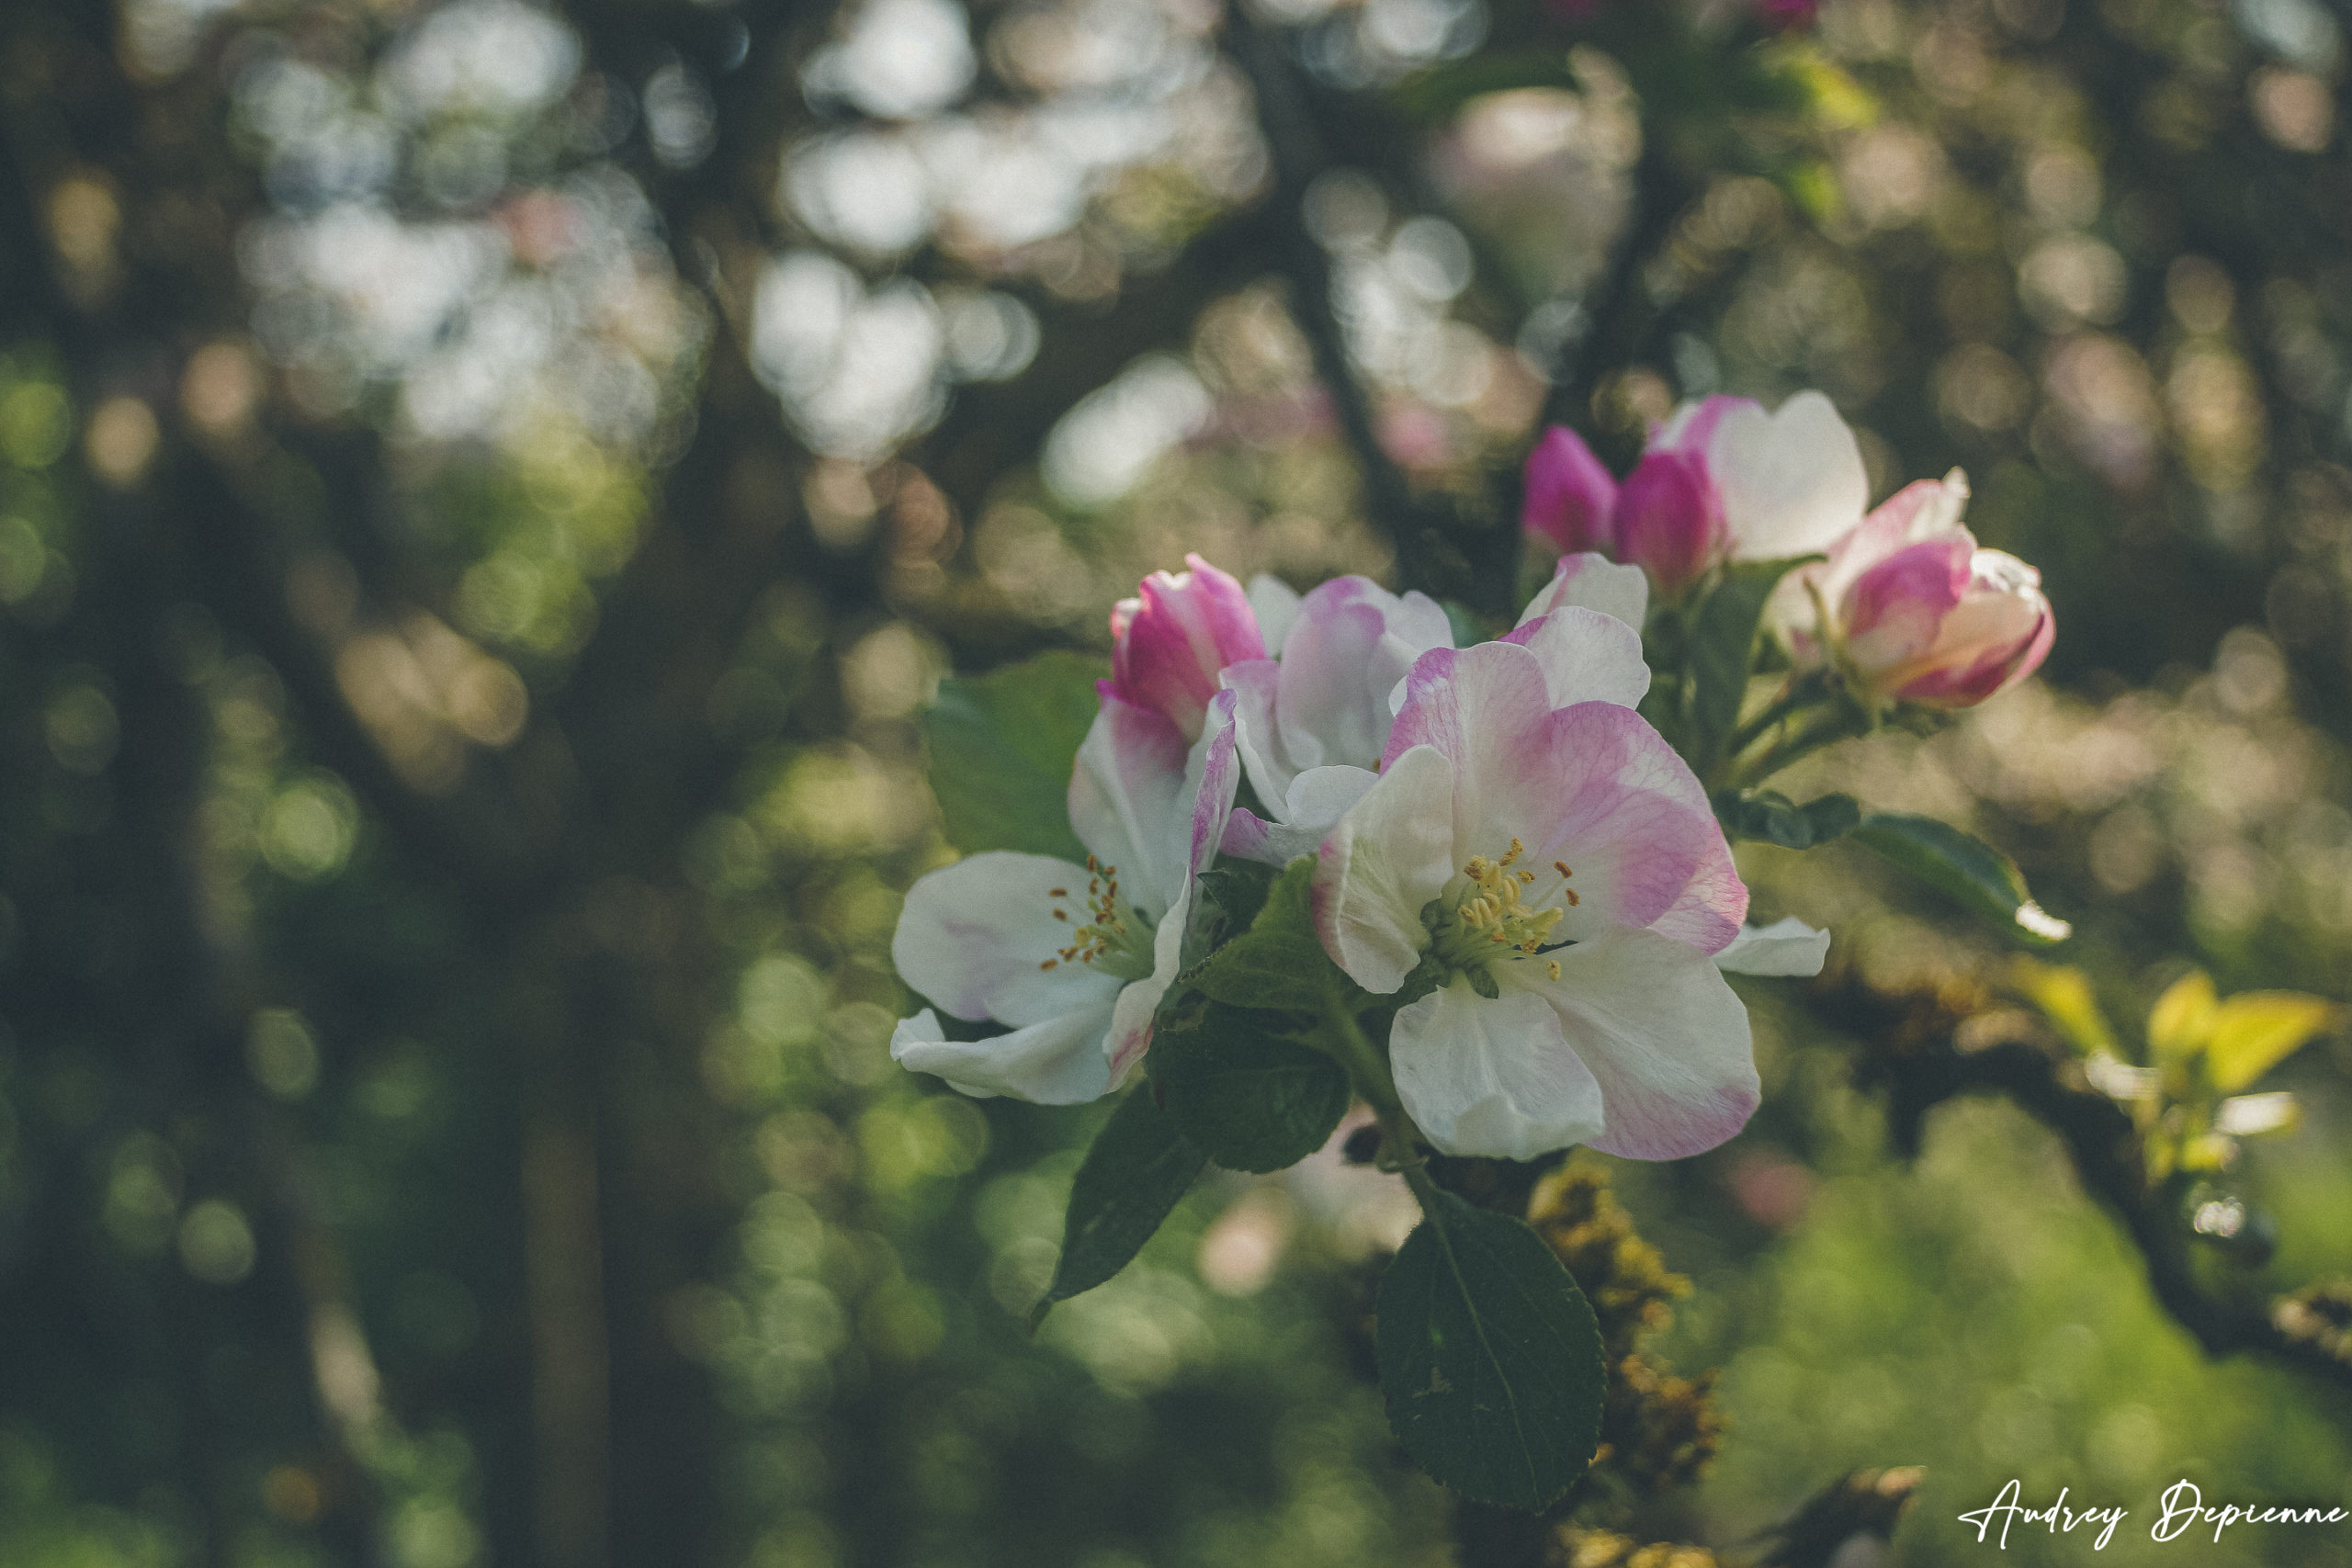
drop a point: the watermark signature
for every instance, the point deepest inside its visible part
(2180, 1510)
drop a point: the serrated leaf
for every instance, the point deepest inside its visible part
(1968, 869)
(1002, 748)
(1279, 962)
(1489, 1358)
(1236, 1082)
(1723, 645)
(1135, 1172)
(2256, 1031)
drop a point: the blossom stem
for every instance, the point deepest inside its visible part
(1833, 728)
(1368, 1067)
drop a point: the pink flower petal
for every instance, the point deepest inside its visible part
(1568, 495)
(1670, 519)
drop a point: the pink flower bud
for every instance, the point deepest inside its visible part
(1172, 640)
(1995, 636)
(1922, 614)
(1670, 519)
(1568, 496)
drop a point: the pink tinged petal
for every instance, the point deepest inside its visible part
(1593, 582)
(1599, 791)
(1492, 1078)
(1670, 519)
(1792, 482)
(973, 938)
(1587, 657)
(1480, 707)
(1129, 1035)
(1213, 777)
(1997, 635)
(1276, 604)
(1257, 687)
(1318, 798)
(1895, 611)
(1388, 857)
(1169, 642)
(1127, 802)
(1692, 426)
(1058, 1062)
(1664, 1035)
(1568, 494)
(1351, 643)
(1788, 947)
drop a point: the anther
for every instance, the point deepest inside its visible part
(1562, 868)
(1553, 968)
(1061, 915)
(1054, 963)
(1057, 892)
(1573, 899)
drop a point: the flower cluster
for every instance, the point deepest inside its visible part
(1905, 608)
(1346, 846)
(1495, 831)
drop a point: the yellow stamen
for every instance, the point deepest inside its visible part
(1551, 968)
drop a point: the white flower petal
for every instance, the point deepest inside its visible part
(1787, 946)
(1317, 799)
(1276, 604)
(1127, 802)
(1492, 1078)
(973, 935)
(1593, 582)
(1388, 856)
(1588, 657)
(1059, 1062)
(1792, 482)
(1130, 1032)
(1655, 1020)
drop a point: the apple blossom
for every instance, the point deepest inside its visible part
(1169, 642)
(1917, 611)
(1074, 958)
(1556, 866)
(1312, 726)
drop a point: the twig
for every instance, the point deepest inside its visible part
(1912, 1055)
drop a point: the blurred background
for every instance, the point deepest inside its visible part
(486, 487)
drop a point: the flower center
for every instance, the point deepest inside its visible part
(1115, 938)
(1492, 918)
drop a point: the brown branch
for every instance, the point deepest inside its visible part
(1912, 1052)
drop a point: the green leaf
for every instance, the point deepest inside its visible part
(1468, 627)
(1138, 1166)
(1489, 1358)
(2256, 1031)
(1968, 869)
(1237, 1082)
(1002, 748)
(1772, 817)
(1231, 894)
(1723, 645)
(1279, 962)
